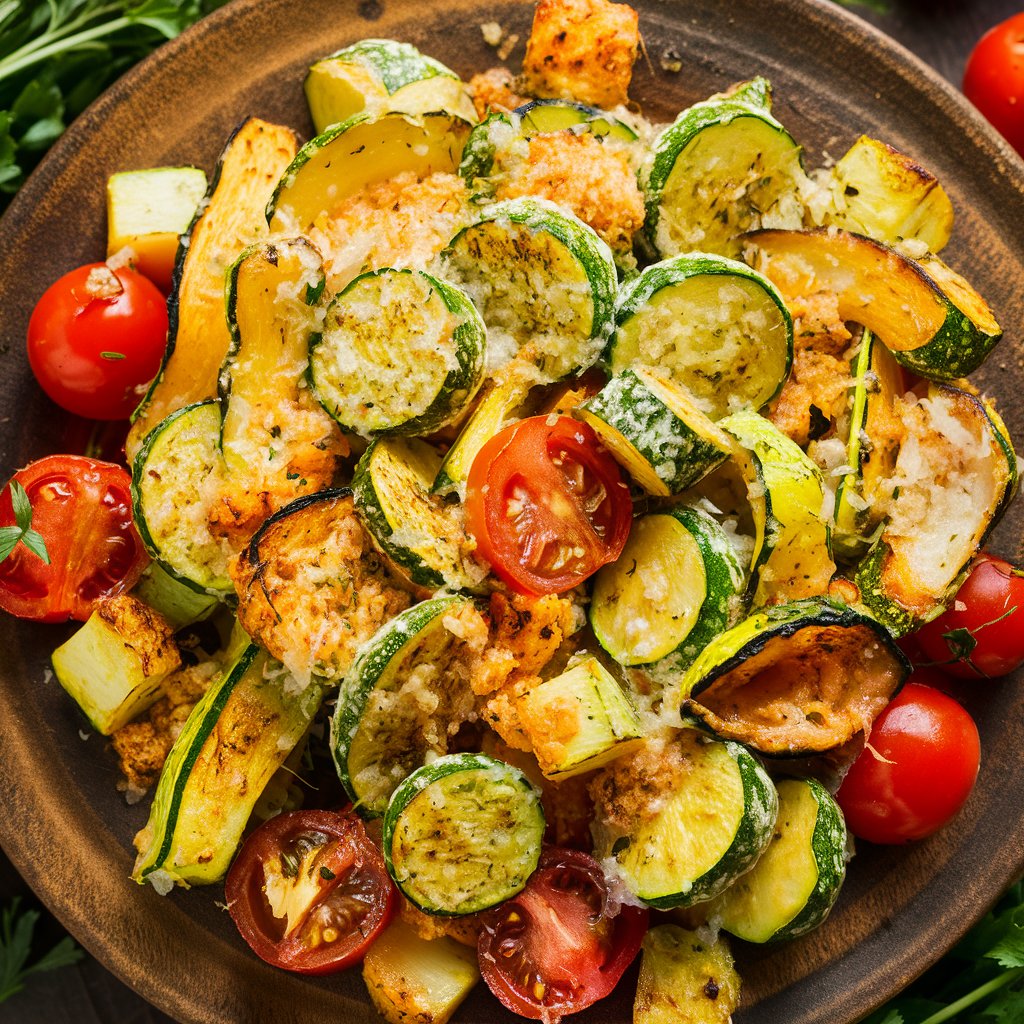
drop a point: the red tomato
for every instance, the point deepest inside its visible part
(994, 79)
(94, 353)
(547, 504)
(555, 948)
(917, 772)
(83, 510)
(982, 631)
(345, 897)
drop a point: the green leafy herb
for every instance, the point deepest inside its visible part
(981, 981)
(16, 928)
(57, 56)
(21, 532)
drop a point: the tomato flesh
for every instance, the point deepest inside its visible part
(309, 892)
(83, 510)
(94, 348)
(547, 504)
(994, 79)
(555, 948)
(982, 632)
(917, 772)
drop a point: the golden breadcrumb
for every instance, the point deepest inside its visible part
(494, 89)
(815, 392)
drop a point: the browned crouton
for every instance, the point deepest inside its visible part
(813, 396)
(494, 89)
(582, 50)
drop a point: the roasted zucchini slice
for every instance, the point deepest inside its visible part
(410, 978)
(544, 283)
(792, 552)
(579, 720)
(714, 173)
(871, 449)
(792, 887)
(879, 192)
(236, 737)
(387, 721)
(423, 536)
(378, 75)
(113, 665)
(795, 679)
(229, 219)
(399, 352)
(175, 601)
(311, 587)
(955, 474)
(683, 818)
(716, 326)
(685, 979)
(462, 834)
(652, 425)
(927, 315)
(177, 478)
(277, 442)
(676, 585)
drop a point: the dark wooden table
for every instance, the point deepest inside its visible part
(942, 33)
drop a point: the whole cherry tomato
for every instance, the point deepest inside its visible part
(82, 509)
(982, 632)
(547, 504)
(309, 891)
(917, 771)
(994, 79)
(556, 947)
(96, 339)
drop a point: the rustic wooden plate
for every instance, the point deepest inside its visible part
(65, 827)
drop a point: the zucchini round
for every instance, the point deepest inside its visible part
(385, 724)
(676, 585)
(713, 173)
(544, 283)
(379, 75)
(795, 679)
(654, 429)
(176, 480)
(399, 352)
(685, 836)
(423, 536)
(462, 834)
(792, 887)
(715, 325)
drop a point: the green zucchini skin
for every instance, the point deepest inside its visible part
(439, 398)
(766, 639)
(766, 357)
(234, 740)
(371, 763)
(752, 909)
(489, 817)
(206, 574)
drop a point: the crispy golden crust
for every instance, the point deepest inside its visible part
(817, 387)
(144, 630)
(142, 746)
(591, 178)
(465, 929)
(494, 89)
(581, 50)
(311, 589)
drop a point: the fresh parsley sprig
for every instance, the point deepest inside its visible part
(16, 928)
(21, 532)
(981, 981)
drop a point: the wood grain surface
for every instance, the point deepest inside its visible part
(941, 33)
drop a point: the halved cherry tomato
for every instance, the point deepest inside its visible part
(994, 79)
(309, 891)
(83, 510)
(547, 504)
(982, 632)
(917, 772)
(96, 339)
(556, 947)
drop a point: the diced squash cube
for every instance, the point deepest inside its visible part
(579, 720)
(114, 665)
(412, 980)
(147, 211)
